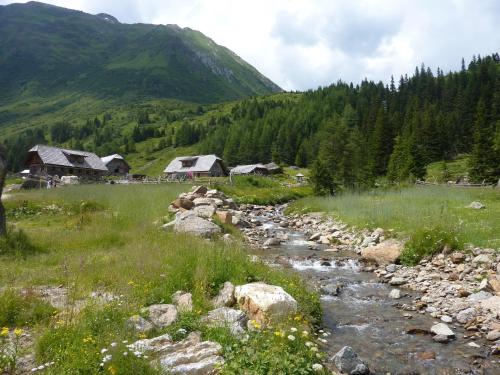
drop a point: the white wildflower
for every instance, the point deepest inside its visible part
(291, 337)
(317, 367)
(309, 344)
(104, 350)
(113, 344)
(293, 329)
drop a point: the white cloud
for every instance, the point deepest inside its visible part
(302, 44)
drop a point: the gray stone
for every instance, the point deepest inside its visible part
(225, 298)
(272, 242)
(441, 338)
(493, 335)
(395, 294)
(205, 212)
(331, 289)
(397, 281)
(466, 315)
(479, 296)
(346, 360)
(235, 320)
(391, 268)
(446, 319)
(443, 330)
(183, 300)
(139, 324)
(482, 258)
(476, 205)
(203, 202)
(161, 315)
(189, 222)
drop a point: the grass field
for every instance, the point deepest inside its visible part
(414, 209)
(102, 238)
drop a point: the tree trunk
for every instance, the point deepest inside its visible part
(3, 173)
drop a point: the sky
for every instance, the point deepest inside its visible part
(303, 44)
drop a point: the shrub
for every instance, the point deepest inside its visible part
(426, 242)
(16, 243)
(23, 310)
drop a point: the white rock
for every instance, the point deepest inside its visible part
(395, 294)
(443, 330)
(235, 320)
(184, 301)
(265, 303)
(161, 315)
(225, 298)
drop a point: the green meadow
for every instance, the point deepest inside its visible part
(106, 238)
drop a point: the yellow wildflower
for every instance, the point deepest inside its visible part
(5, 331)
(18, 331)
(142, 335)
(112, 370)
(131, 283)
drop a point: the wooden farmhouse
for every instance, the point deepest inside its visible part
(195, 166)
(53, 161)
(116, 165)
(259, 169)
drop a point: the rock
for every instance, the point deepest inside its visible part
(235, 320)
(386, 252)
(443, 330)
(395, 294)
(476, 205)
(272, 242)
(466, 315)
(397, 281)
(315, 236)
(225, 298)
(225, 217)
(391, 268)
(441, 339)
(139, 324)
(200, 190)
(495, 286)
(331, 289)
(184, 301)
(205, 212)
(190, 356)
(446, 319)
(492, 304)
(188, 222)
(426, 356)
(482, 258)
(265, 303)
(457, 258)
(203, 202)
(346, 360)
(473, 345)
(475, 297)
(493, 335)
(161, 315)
(368, 241)
(183, 203)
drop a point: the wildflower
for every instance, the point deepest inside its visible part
(255, 324)
(5, 331)
(314, 349)
(323, 340)
(142, 335)
(107, 358)
(317, 367)
(293, 329)
(309, 344)
(112, 370)
(297, 318)
(291, 337)
(104, 350)
(125, 354)
(113, 344)
(305, 333)
(18, 331)
(131, 283)
(124, 341)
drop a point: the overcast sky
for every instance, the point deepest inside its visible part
(302, 44)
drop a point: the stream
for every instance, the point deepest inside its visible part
(363, 316)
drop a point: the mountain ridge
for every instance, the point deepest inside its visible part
(48, 50)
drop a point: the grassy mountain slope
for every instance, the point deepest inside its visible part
(52, 57)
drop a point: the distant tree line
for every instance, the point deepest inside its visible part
(352, 135)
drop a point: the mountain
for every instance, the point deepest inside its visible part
(52, 52)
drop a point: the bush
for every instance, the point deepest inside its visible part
(426, 242)
(23, 310)
(16, 243)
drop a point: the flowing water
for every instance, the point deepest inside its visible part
(364, 317)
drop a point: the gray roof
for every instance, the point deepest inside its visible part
(246, 169)
(59, 156)
(202, 163)
(107, 159)
(272, 165)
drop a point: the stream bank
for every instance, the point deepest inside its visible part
(386, 313)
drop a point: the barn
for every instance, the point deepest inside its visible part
(116, 165)
(195, 166)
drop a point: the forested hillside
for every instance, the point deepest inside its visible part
(350, 134)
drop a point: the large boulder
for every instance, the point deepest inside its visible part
(225, 217)
(265, 303)
(235, 320)
(161, 315)
(386, 252)
(205, 212)
(347, 361)
(190, 356)
(189, 222)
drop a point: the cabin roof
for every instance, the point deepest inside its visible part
(107, 159)
(59, 156)
(202, 163)
(245, 169)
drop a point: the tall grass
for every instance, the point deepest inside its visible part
(412, 209)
